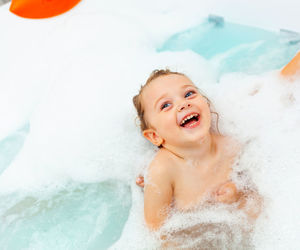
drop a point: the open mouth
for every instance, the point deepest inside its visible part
(190, 120)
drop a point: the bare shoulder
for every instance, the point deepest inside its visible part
(161, 166)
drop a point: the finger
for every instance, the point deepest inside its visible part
(139, 181)
(140, 184)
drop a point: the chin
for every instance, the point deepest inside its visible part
(197, 136)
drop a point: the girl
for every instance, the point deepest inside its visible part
(194, 161)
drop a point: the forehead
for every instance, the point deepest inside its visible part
(163, 84)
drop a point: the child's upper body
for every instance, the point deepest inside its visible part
(193, 162)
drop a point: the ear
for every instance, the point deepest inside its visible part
(151, 135)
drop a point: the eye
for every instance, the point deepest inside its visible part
(189, 93)
(165, 105)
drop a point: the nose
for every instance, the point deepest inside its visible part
(183, 106)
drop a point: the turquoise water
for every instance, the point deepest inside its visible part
(236, 48)
(80, 216)
(93, 215)
(11, 145)
(75, 216)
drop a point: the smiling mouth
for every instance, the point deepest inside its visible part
(190, 120)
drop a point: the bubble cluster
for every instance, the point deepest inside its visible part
(72, 78)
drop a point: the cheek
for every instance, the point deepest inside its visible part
(207, 113)
(165, 122)
(154, 121)
(209, 118)
(147, 121)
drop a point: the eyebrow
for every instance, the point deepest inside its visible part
(164, 95)
(188, 85)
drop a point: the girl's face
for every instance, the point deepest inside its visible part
(176, 113)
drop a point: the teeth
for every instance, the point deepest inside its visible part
(187, 118)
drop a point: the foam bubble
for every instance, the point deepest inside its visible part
(74, 83)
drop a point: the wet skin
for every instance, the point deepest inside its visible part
(193, 163)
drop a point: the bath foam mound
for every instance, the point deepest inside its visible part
(74, 86)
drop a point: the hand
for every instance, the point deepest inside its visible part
(252, 203)
(140, 181)
(227, 193)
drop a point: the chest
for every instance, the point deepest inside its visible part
(193, 182)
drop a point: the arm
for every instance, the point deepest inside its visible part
(292, 67)
(158, 196)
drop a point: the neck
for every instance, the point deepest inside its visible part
(199, 151)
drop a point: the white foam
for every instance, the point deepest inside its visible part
(74, 76)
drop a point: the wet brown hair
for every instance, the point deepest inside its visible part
(137, 102)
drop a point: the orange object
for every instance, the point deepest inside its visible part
(41, 8)
(292, 67)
